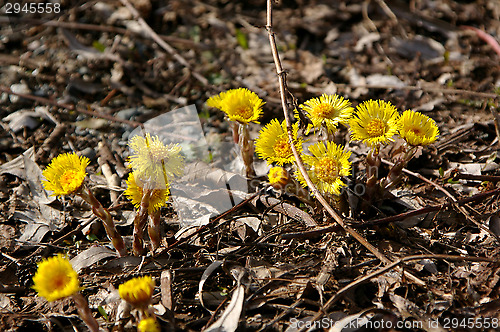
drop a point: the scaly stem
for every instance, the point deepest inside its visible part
(107, 220)
(85, 313)
(396, 171)
(140, 223)
(154, 229)
(247, 149)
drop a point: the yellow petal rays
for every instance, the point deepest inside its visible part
(272, 144)
(134, 193)
(329, 110)
(417, 128)
(374, 123)
(55, 278)
(241, 105)
(137, 291)
(65, 174)
(326, 167)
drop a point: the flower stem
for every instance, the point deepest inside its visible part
(140, 222)
(247, 149)
(85, 313)
(373, 163)
(107, 220)
(396, 171)
(154, 229)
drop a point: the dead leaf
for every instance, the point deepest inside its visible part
(206, 274)
(91, 256)
(228, 322)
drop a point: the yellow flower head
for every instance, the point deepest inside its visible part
(417, 128)
(240, 105)
(272, 143)
(55, 278)
(326, 166)
(148, 325)
(65, 174)
(278, 177)
(134, 193)
(153, 162)
(137, 291)
(374, 123)
(329, 110)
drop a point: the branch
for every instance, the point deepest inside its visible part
(298, 159)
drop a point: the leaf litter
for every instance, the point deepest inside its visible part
(424, 62)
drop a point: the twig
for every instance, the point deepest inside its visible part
(298, 159)
(429, 88)
(453, 199)
(386, 268)
(94, 27)
(490, 40)
(161, 42)
(70, 107)
(427, 209)
(213, 221)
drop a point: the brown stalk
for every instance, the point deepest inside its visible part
(300, 164)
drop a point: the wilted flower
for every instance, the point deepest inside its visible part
(153, 162)
(272, 143)
(56, 279)
(326, 166)
(134, 193)
(417, 128)
(329, 110)
(65, 174)
(241, 105)
(137, 291)
(374, 122)
(148, 325)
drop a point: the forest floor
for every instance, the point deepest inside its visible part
(81, 80)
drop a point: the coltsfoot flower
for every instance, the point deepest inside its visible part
(134, 193)
(329, 110)
(148, 325)
(241, 105)
(374, 123)
(326, 166)
(137, 291)
(417, 128)
(65, 174)
(55, 278)
(278, 177)
(153, 162)
(272, 143)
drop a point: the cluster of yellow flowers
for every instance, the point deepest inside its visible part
(56, 279)
(374, 122)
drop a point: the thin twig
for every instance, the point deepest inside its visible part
(386, 268)
(161, 42)
(298, 159)
(453, 199)
(71, 107)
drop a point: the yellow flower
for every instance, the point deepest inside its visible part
(329, 110)
(326, 166)
(375, 122)
(153, 162)
(148, 325)
(65, 174)
(417, 128)
(278, 177)
(240, 105)
(272, 143)
(137, 291)
(55, 278)
(134, 193)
